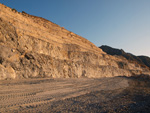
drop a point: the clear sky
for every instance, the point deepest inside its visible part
(118, 23)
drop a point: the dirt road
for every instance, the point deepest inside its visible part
(72, 95)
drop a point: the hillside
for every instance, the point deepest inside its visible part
(33, 47)
(145, 60)
(142, 60)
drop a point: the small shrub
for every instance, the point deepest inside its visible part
(122, 65)
(1, 19)
(1, 60)
(24, 12)
(14, 10)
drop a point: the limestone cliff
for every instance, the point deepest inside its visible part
(31, 46)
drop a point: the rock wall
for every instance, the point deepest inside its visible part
(31, 46)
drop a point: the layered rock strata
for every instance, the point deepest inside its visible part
(31, 46)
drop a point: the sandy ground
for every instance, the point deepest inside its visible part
(118, 94)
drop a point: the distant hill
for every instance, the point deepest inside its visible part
(145, 60)
(142, 60)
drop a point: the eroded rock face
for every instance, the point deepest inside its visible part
(31, 46)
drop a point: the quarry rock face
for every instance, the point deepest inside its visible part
(32, 47)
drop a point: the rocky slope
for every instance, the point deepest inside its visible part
(145, 60)
(31, 46)
(141, 60)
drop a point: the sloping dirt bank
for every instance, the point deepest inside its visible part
(118, 94)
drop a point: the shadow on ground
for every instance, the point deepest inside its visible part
(84, 95)
(133, 99)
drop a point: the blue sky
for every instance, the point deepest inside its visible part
(118, 23)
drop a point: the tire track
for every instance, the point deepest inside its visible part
(28, 97)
